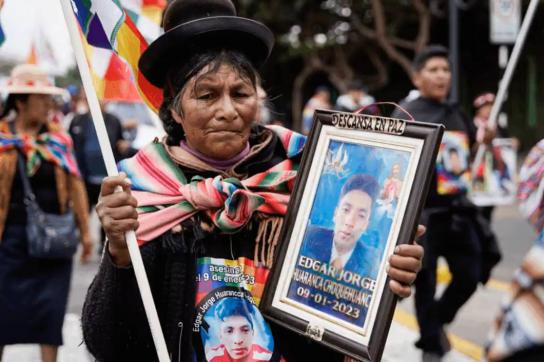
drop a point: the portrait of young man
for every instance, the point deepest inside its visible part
(343, 247)
(337, 266)
(343, 232)
(236, 334)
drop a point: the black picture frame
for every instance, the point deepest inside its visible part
(336, 328)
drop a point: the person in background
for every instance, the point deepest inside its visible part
(212, 144)
(518, 332)
(34, 292)
(77, 105)
(412, 95)
(87, 149)
(355, 98)
(482, 109)
(455, 229)
(70, 104)
(320, 100)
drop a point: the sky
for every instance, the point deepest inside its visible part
(41, 22)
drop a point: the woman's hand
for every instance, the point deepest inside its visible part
(404, 266)
(117, 213)
(87, 249)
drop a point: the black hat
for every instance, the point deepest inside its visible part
(193, 25)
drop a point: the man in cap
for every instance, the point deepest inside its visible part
(455, 230)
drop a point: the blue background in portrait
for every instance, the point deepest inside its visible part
(262, 334)
(374, 161)
(343, 161)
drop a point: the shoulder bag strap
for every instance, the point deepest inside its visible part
(21, 166)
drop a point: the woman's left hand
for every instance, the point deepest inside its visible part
(87, 250)
(404, 266)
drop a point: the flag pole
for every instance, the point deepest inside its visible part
(111, 168)
(508, 73)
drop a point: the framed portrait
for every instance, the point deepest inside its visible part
(494, 173)
(361, 186)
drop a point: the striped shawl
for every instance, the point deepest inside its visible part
(166, 197)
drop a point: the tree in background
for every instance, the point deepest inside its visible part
(344, 39)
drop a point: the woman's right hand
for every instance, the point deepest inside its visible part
(117, 213)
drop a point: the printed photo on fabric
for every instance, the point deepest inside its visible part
(452, 164)
(228, 325)
(348, 229)
(494, 174)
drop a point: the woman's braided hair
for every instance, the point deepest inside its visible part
(178, 78)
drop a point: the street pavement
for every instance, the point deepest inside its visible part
(467, 333)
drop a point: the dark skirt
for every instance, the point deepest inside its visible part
(33, 293)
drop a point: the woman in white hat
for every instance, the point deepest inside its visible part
(33, 291)
(213, 196)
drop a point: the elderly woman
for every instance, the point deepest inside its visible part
(34, 291)
(210, 197)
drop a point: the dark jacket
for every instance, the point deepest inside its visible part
(114, 323)
(426, 110)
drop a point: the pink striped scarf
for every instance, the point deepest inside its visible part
(54, 146)
(166, 198)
